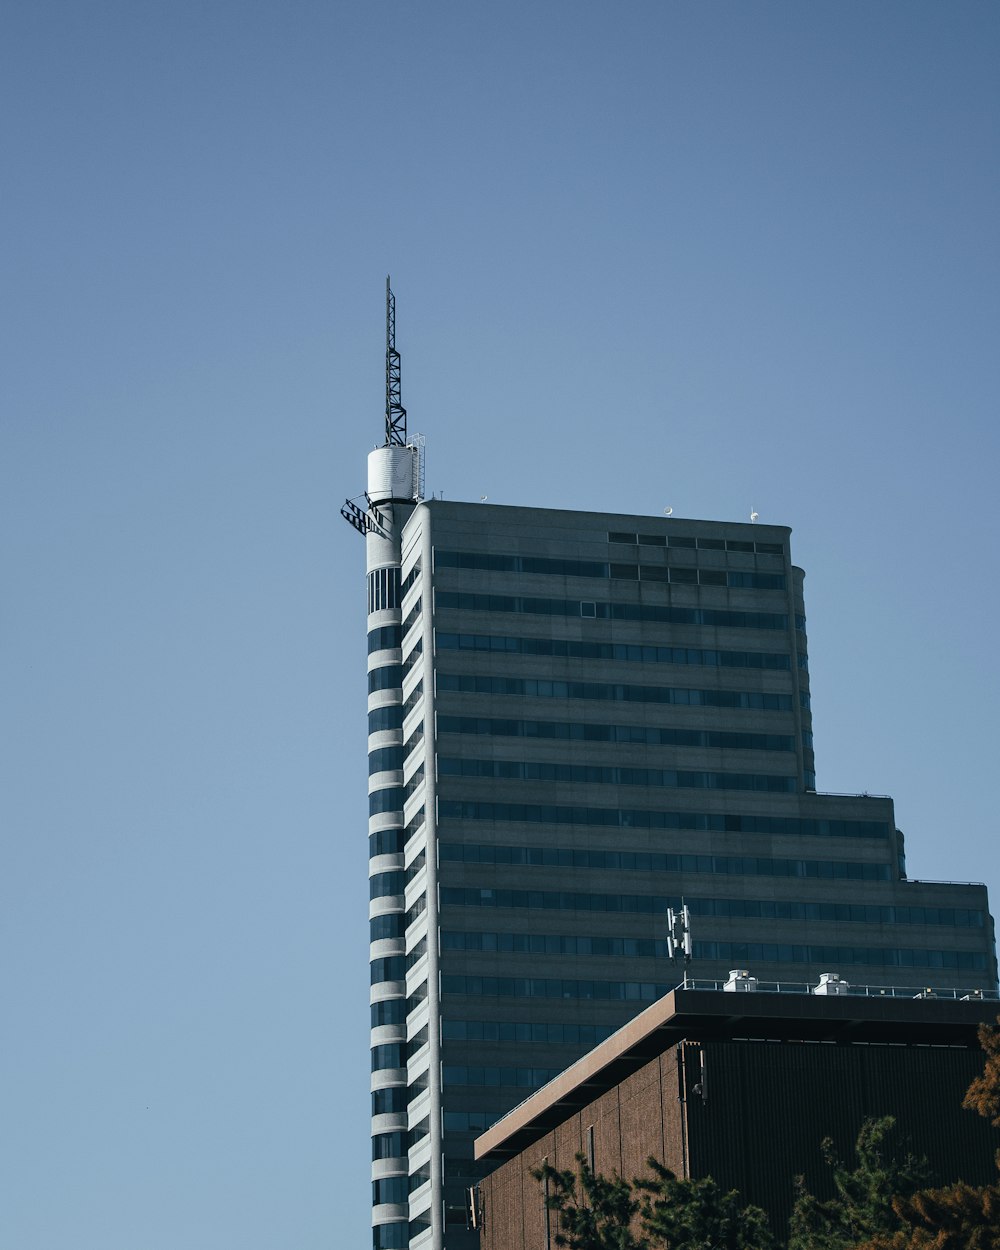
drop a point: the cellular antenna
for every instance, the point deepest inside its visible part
(395, 413)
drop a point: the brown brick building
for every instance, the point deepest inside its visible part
(743, 1087)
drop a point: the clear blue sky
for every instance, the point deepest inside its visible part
(708, 255)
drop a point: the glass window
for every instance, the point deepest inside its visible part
(386, 759)
(381, 928)
(389, 677)
(381, 718)
(385, 842)
(391, 1055)
(388, 1011)
(385, 883)
(392, 1236)
(391, 969)
(389, 1102)
(385, 638)
(388, 800)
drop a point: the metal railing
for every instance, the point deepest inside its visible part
(956, 994)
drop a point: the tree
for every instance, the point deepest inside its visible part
(862, 1207)
(697, 1215)
(601, 1213)
(596, 1216)
(958, 1216)
(983, 1095)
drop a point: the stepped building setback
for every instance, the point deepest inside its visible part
(576, 720)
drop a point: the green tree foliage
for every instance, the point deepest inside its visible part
(959, 1216)
(697, 1215)
(983, 1095)
(595, 1214)
(656, 1212)
(862, 1207)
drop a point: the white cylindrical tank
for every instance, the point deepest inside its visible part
(392, 474)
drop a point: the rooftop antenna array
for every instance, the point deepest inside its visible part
(679, 933)
(395, 413)
(396, 469)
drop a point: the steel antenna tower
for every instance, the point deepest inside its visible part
(395, 413)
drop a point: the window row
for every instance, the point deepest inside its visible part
(413, 741)
(875, 956)
(702, 544)
(631, 571)
(414, 956)
(409, 580)
(510, 1078)
(616, 692)
(597, 774)
(391, 1101)
(413, 698)
(388, 927)
(415, 865)
(397, 1189)
(411, 617)
(392, 1236)
(648, 861)
(388, 1011)
(554, 944)
(388, 677)
(661, 613)
(385, 842)
(650, 948)
(384, 638)
(470, 1121)
(385, 759)
(391, 969)
(577, 731)
(708, 822)
(523, 1031)
(415, 823)
(764, 909)
(389, 799)
(383, 590)
(396, 1145)
(625, 652)
(382, 884)
(415, 782)
(413, 655)
(555, 987)
(394, 1189)
(390, 1055)
(382, 718)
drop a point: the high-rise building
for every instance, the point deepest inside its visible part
(576, 720)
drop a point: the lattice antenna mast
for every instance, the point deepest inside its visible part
(395, 413)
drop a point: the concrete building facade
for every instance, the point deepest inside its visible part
(577, 719)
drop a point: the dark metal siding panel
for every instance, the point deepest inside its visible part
(771, 1104)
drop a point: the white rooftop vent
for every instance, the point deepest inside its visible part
(831, 983)
(740, 982)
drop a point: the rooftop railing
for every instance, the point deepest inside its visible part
(838, 988)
